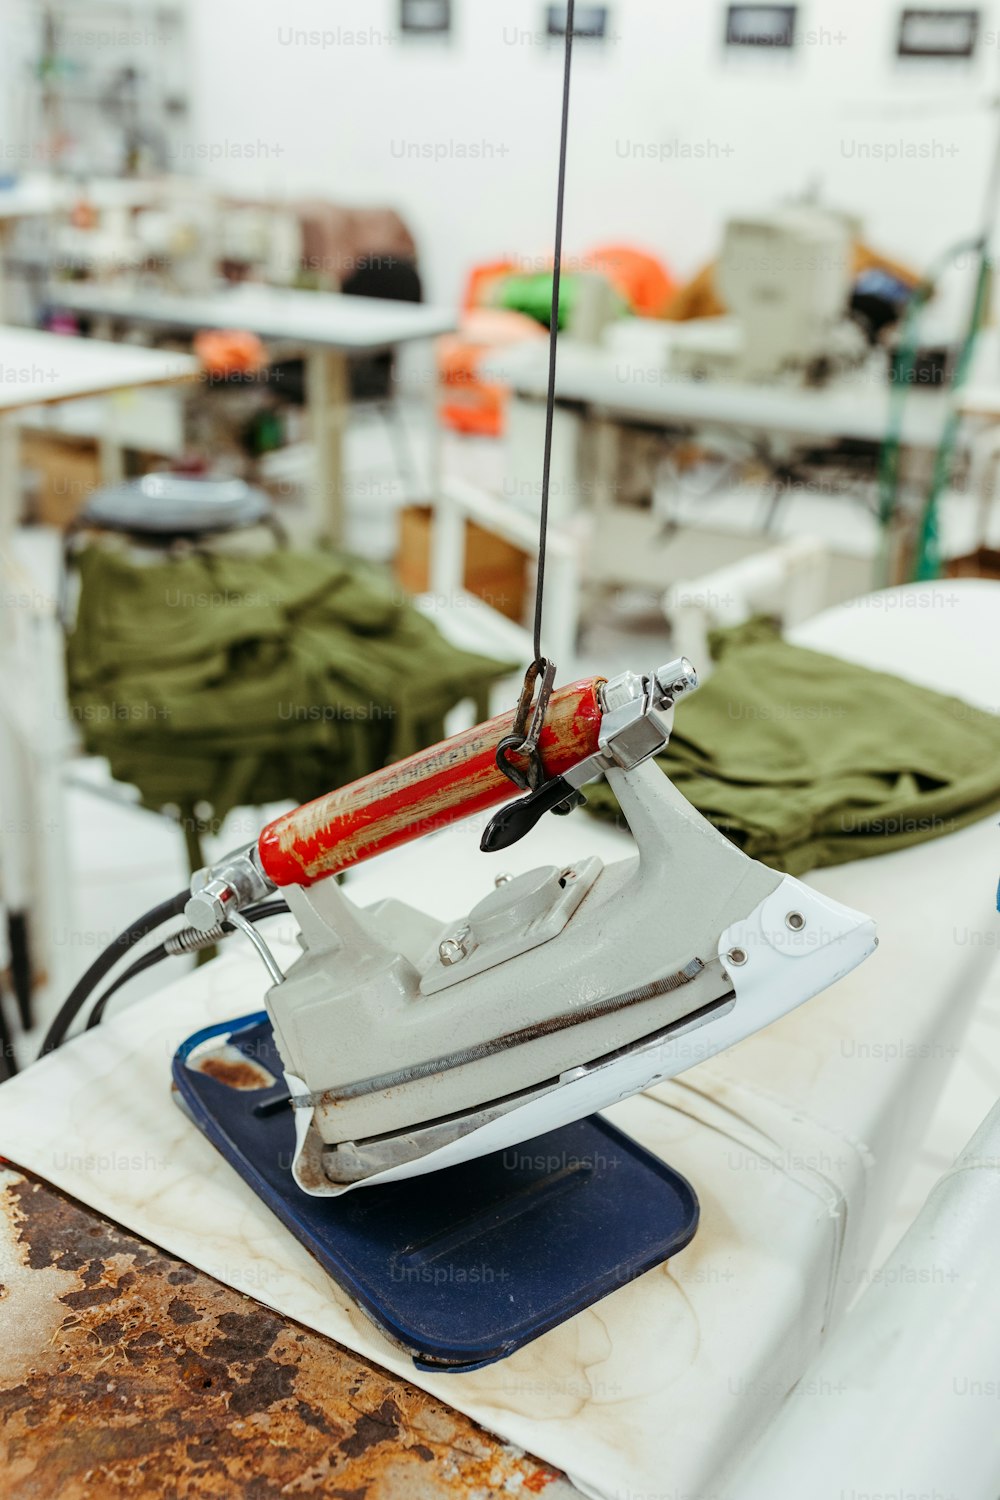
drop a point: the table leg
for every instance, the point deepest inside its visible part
(447, 551)
(328, 395)
(33, 737)
(18, 823)
(111, 454)
(900, 540)
(10, 482)
(8, 1062)
(52, 741)
(435, 459)
(15, 800)
(18, 820)
(562, 606)
(604, 566)
(4, 286)
(983, 478)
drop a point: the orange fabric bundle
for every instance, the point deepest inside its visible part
(639, 278)
(229, 351)
(473, 404)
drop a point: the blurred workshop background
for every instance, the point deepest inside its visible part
(276, 295)
(275, 287)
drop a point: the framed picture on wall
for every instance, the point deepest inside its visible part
(771, 26)
(425, 17)
(590, 22)
(938, 33)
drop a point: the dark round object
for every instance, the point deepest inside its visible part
(173, 505)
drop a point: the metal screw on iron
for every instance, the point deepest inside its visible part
(504, 879)
(737, 957)
(453, 949)
(795, 920)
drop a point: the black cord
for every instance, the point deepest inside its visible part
(161, 951)
(147, 961)
(105, 962)
(550, 400)
(84, 987)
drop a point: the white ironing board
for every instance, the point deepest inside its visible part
(796, 1142)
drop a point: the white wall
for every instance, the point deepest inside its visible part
(333, 115)
(18, 115)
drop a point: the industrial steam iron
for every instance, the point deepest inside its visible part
(409, 1046)
(418, 1100)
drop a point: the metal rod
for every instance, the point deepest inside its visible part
(237, 920)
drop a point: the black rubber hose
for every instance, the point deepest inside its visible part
(139, 967)
(105, 962)
(156, 955)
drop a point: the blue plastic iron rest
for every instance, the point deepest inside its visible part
(463, 1266)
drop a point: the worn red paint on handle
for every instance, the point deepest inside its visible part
(429, 790)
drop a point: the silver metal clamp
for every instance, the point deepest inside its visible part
(638, 718)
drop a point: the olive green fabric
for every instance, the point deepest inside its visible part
(234, 680)
(806, 760)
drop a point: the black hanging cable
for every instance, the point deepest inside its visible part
(519, 748)
(146, 961)
(550, 399)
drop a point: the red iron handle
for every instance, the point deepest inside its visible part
(429, 790)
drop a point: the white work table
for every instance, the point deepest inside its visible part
(40, 369)
(629, 377)
(330, 327)
(796, 1140)
(37, 368)
(321, 320)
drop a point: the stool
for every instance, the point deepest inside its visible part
(164, 508)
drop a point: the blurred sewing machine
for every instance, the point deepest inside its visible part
(786, 277)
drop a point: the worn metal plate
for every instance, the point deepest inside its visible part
(126, 1372)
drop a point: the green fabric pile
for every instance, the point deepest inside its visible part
(805, 760)
(241, 680)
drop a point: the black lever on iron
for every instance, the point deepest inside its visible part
(515, 819)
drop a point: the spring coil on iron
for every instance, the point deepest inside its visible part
(191, 940)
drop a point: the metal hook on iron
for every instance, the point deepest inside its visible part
(526, 735)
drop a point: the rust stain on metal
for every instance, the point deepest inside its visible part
(131, 1373)
(540, 1479)
(242, 1074)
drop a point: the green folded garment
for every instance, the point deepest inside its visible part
(236, 681)
(806, 760)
